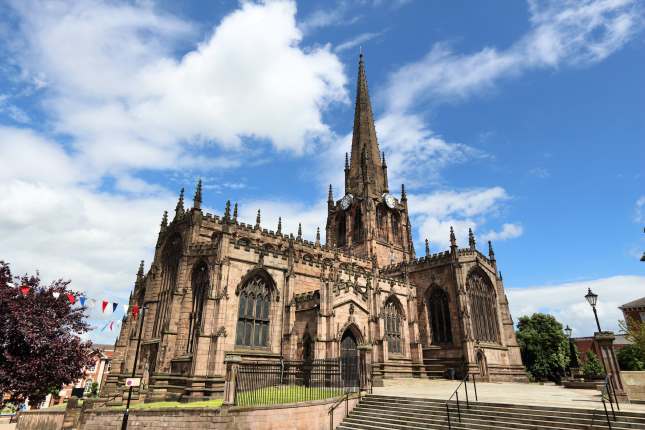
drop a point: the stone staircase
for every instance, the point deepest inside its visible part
(406, 413)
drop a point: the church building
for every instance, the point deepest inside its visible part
(219, 286)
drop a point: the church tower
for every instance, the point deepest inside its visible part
(368, 221)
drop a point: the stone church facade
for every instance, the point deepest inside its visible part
(218, 286)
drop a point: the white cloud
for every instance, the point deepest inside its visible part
(571, 32)
(130, 104)
(640, 210)
(356, 41)
(567, 303)
(508, 231)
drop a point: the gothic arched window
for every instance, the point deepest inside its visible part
(381, 222)
(200, 281)
(341, 230)
(439, 313)
(253, 313)
(392, 318)
(396, 228)
(170, 266)
(357, 229)
(483, 309)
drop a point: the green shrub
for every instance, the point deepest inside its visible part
(592, 367)
(631, 357)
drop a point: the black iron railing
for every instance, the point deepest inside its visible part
(273, 382)
(608, 394)
(455, 394)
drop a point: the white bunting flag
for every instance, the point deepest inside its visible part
(56, 294)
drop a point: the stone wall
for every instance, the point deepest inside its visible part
(40, 420)
(634, 383)
(313, 415)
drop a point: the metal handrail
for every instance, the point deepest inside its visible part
(455, 394)
(344, 397)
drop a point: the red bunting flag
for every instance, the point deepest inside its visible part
(24, 290)
(104, 305)
(71, 298)
(135, 310)
(111, 325)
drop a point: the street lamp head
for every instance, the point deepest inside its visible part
(568, 330)
(591, 298)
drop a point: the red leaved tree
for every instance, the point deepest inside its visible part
(40, 344)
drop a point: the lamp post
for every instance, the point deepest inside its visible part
(567, 331)
(593, 299)
(124, 424)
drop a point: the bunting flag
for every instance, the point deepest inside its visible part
(115, 306)
(91, 303)
(24, 290)
(56, 294)
(111, 325)
(104, 305)
(82, 300)
(71, 298)
(125, 309)
(11, 284)
(135, 310)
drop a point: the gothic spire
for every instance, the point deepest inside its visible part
(317, 236)
(471, 240)
(179, 209)
(140, 271)
(279, 225)
(365, 169)
(404, 196)
(257, 220)
(330, 195)
(164, 220)
(299, 237)
(491, 253)
(235, 212)
(453, 239)
(197, 200)
(427, 247)
(227, 211)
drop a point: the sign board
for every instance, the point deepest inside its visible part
(132, 382)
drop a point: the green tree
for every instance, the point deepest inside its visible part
(631, 358)
(592, 367)
(544, 346)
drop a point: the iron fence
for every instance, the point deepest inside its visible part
(274, 382)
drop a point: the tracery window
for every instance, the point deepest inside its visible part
(357, 230)
(396, 228)
(381, 222)
(200, 281)
(170, 266)
(439, 313)
(392, 318)
(483, 309)
(253, 314)
(341, 230)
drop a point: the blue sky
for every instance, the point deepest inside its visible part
(522, 120)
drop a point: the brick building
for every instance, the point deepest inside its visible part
(218, 286)
(634, 310)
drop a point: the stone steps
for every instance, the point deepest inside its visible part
(407, 413)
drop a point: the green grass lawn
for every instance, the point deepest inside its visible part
(216, 403)
(285, 394)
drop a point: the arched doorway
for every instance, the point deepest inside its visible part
(349, 359)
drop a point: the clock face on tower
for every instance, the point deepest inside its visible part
(346, 201)
(390, 201)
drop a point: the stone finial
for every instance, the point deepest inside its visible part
(164, 220)
(346, 161)
(404, 196)
(491, 253)
(235, 213)
(471, 239)
(279, 225)
(453, 239)
(330, 195)
(501, 278)
(383, 159)
(227, 211)
(140, 271)
(197, 200)
(299, 237)
(317, 236)
(427, 247)
(257, 220)
(179, 209)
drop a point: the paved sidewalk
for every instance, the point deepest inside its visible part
(500, 392)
